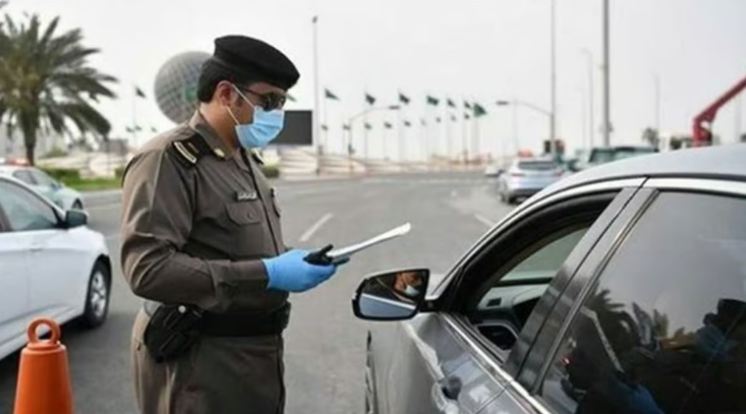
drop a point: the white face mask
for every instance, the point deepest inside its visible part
(411, 291)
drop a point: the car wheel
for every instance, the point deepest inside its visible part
(77, 205)
(97, 297)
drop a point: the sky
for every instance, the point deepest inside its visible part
(467, 50)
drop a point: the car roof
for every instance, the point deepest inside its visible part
(722, 162)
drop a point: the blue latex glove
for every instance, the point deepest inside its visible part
(290, 273)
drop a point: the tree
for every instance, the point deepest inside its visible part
(46, 84)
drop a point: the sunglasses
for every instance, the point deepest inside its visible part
(268, 101)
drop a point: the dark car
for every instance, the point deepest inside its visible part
(621, 289)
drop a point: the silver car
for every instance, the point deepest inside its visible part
(526, 177)
(621, 289)
(64, 197)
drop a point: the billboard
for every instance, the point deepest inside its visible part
(298, 129)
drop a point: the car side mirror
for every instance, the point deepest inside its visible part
(75, 218)
(391, 296)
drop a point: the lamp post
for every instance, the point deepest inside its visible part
(606, 127)
(364, 113)
(591, 106)
(553, 104)
(516, 103)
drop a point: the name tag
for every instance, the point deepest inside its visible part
(246, 195)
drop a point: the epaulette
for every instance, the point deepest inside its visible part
(189, 151)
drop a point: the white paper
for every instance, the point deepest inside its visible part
(348, 251)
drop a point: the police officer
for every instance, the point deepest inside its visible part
(202, 243)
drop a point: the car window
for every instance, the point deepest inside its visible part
(24, 211)
(510, 297)
(24, 176)
(42, 178)
(663, 330)
(536, 165)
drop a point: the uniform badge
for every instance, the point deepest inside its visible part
(246, 195)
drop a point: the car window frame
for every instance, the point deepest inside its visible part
(24, 187)
(463, 329)
(606, 250)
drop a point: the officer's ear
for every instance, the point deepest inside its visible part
(225, 94)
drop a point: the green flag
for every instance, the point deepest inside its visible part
(407, 123)
(324, 127)
(431, 100)
(370, 99)
(153, 130)
(368, 126)
(450, 103)
(290, 98)
(466, 116)
(404, 99)
(345, 127)
(453, 118)
(437, 119)
(467, 105)
(387, 125)
(479, 110)
(129, 129)
(330, 95)
(139, 93)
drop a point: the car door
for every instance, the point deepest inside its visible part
(658, 322)
(52, 260)
(14, 282)
(449, 360)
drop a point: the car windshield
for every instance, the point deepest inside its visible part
(536, 165)
(603, 155)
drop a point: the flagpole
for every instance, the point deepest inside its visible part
(465, 137)
(316, 97)
(325, 132)
(400, 134)
(134, 117)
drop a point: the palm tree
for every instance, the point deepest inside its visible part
(46, 84)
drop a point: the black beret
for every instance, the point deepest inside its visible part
(255, 60)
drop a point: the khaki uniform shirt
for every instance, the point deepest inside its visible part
(194, 234)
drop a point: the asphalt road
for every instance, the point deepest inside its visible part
(325, 343)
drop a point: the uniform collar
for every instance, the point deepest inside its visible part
(218, 146)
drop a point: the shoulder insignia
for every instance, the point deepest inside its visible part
(189, 151)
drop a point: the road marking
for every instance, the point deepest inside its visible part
(315, 227)
(484, 220)
(103, 206)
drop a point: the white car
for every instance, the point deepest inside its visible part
(64, 197)
(51, 264)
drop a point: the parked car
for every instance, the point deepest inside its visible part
(602, 155)
(526, 177)
(51, 264)
(64, 197)
(621, 289)
(493, 170)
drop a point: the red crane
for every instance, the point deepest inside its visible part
(702, 125)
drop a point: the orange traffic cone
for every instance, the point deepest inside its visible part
(43, 376)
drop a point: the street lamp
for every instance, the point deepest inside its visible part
(363, 113)
(516, 103)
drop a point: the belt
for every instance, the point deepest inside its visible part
(238, 324)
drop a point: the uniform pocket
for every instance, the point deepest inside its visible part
(243, 213)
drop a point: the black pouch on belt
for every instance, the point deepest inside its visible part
(171, 331)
